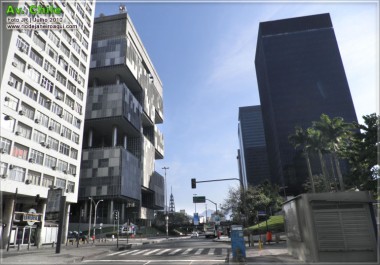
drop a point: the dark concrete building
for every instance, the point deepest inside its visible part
(300, 75)
(254, 167)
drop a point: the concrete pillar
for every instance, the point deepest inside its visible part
(7, 217)
(122, 214)
(41, 208)
(110, 211)
(85, 217)
(114, 136)
(66, 223)
(90, 135)
(125, 142)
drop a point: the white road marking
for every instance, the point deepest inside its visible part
(163, 251)
(150, 252)
(211, 251)
(175, 251)
(186, 251)
(128, 252)
(140, 252)
(199, 251)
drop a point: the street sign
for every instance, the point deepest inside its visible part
(199, 199)
(196, 219)
(261, 213)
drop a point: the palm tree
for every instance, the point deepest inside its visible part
(317, 144)
(333, 131)
(300, 138)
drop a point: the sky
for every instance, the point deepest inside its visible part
(204, 54)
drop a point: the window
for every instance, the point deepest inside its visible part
(55, 126)
(72, 169)
(35, 56)
(71, 87)
(49, 68)
(11, 102)
(74, 153)
(70, 187)
(78, 35)
(80, 94)
(78, 108)
(20, 151)
(63, 166)
(39, 137)
(69, 102)
(67, 116)
(38, 40)
(19, 63)
(82, 68)
(7, 122)
(66, 132)
(44, 101)
(53, 37)
(75, 60)
(5, 145)
(48, 181)
(34, 177)
(80, 80)
(30, 92)
(75, 46)
(84, 56)
(64, 149)
(62, 62)
(73, 73)
(53, 143)
(27, 110)
(33, 74)
(65, 50)
(57, 109)
(60, 183)
(59, 94)
(37, 157)
(15, 82)
(50, 161)
(76, 138)
(66, 36)
(24, 130)
(17, 174)
(61, 79)
(77, 122)
(52, 53)
(42, 119)
(78, 21)
(3, 168)
(47, 84)
(22, 45)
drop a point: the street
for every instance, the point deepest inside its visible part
(189, 251)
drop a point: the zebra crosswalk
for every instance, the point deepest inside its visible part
(172, 252)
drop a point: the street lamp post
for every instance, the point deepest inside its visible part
(96, 206)
(166, 208)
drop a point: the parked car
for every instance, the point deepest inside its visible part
(194, 235)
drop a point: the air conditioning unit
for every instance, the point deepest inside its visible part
(43, 143)
(6, 99)
(51, 128)
(14, 64)
(4, 176)
(31, 160)
(47, 146)
(11, 166)
(36, 32)
(2, 150)
(17, 133)
(58, 97)
(21, 112)
(37, 120)
(10, 83)
(28, 181)
(77, 141)
(62, 134)
(54, 167)
(30, 66)
(65, 171)
(60, 115)
(8, 118)
(79, 82)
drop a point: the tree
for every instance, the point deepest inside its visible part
(361, 151)
(256, 198)
(334, 131)
(301, 139)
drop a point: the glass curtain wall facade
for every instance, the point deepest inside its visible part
(300, 76)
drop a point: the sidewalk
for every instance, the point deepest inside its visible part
(70, 253)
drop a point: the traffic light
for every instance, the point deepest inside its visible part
(193, 183)
(116, 215)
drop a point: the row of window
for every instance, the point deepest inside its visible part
(35, 178)
(37, 157)
(29, 91)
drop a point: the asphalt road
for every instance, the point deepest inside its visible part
(185, 251)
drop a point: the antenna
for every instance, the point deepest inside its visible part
(122, 8)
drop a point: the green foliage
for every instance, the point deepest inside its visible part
(254, 199)
(361, 151)
(275, 224)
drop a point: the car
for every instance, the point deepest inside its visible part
(194, 235)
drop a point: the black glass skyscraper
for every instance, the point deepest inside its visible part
(300, 75)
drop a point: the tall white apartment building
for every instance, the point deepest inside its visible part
(43, 95)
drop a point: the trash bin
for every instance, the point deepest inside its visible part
(237, 242)
(269, 237)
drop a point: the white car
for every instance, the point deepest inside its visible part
(194, 234)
